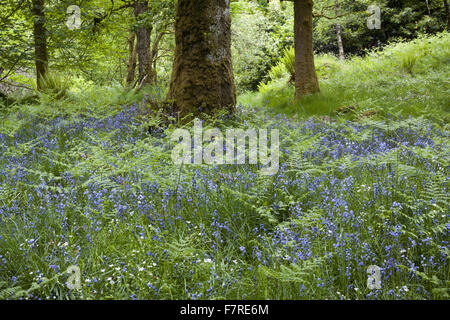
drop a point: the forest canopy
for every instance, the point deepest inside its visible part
(101, 49)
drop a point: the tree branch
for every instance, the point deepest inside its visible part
(321, 15)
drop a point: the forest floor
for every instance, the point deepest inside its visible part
(83, 183)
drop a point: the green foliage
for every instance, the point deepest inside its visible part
(399, 20)
(55, 85)
(374, 86)
(277, 71)
(408, 62)
(288, 60)
(285, 64)
(258, 39)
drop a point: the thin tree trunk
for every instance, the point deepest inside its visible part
(131, 65)
(202, 76)
(155, 73)
(339, 32)
(143, 35)
(305, 72)
(428, 7)
(40, 41)
(155, 49)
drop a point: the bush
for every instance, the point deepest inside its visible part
(408, 61)
(288, 60)
(55, 85)
(285, 66)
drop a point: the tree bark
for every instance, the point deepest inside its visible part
(339, 32)
(305, 72)
(40, 41)
(131, 65)
(202, 76)
(143, 35)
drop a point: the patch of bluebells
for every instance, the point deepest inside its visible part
(347, 215)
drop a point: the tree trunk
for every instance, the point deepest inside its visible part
(143, 35)
(155, 72)
(305, 72)
(40, 41)
(339, 32)
(202, 76)
(131, 65)
(447, 12)
(428, 7)
(155, 49)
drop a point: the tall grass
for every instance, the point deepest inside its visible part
(403, 79)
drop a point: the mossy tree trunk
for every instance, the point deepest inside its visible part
(447, 12)
(132, 55)
(143, 35)
(202, 75)
(305, 72)
(40, 41)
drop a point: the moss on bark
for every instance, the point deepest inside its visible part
(305, 72)
(202, 75)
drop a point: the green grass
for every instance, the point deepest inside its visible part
(404, 79)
